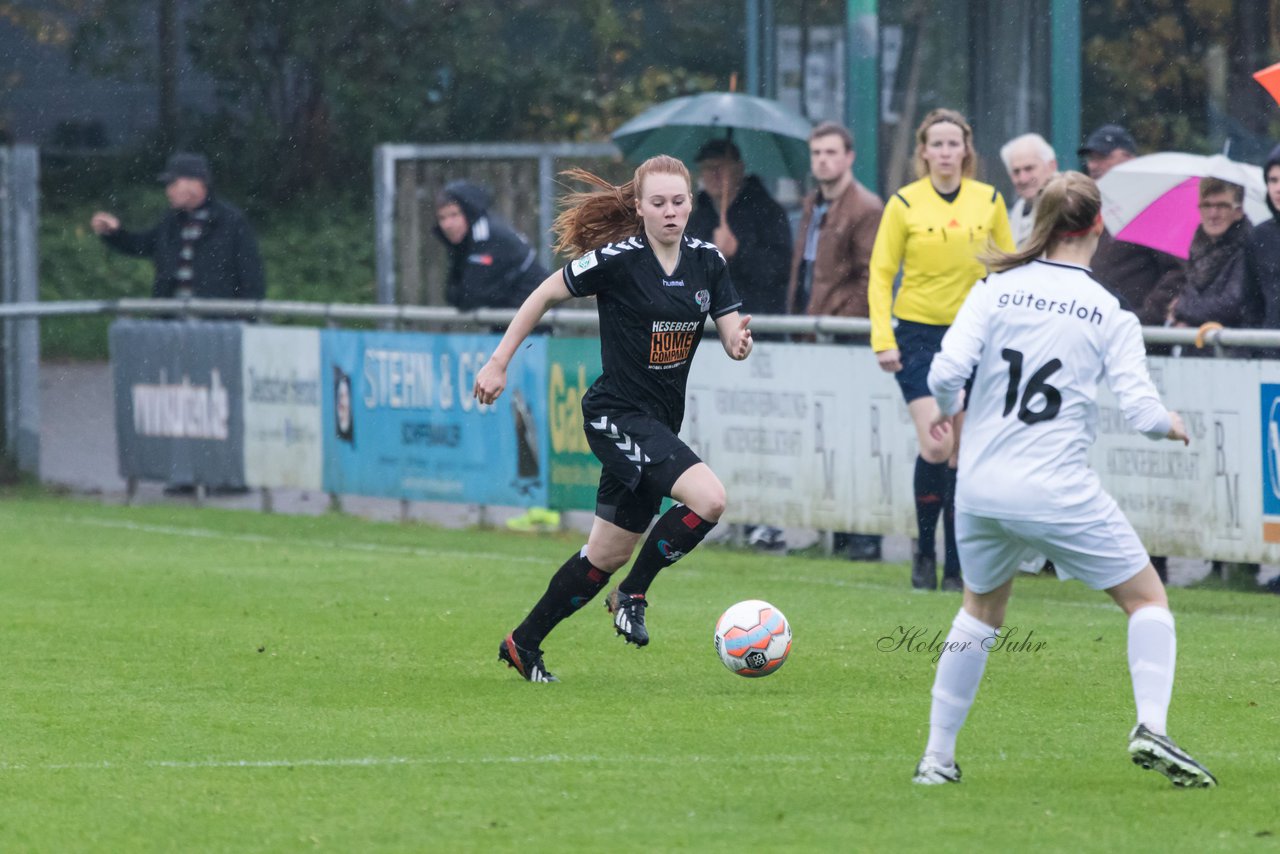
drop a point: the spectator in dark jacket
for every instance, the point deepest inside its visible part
(203, 247)
(1262, 252)
(751, 230)
(491, 265)
(1217, 289)
(1146, 280)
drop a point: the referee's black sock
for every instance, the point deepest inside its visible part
(573, 585)
(951, 556)
(674, 535)
(930, 488)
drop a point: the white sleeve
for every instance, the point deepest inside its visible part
(961, 350)
(1125, 364)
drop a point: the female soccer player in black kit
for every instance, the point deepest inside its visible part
(654, 288)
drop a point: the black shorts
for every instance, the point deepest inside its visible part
(917, 343)
(642, 458)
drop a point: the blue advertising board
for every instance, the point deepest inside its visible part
(1269, 407)
(399, 419)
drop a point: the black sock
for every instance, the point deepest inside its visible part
(930, 486)
(573, 586)
(674, 535)
(951, 555)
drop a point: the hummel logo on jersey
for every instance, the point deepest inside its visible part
(695, 243)
(621, 440)
(673, 283)
(621, 246)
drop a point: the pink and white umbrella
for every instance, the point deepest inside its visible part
(1153, 200)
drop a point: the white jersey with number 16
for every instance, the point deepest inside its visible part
(1042, 336)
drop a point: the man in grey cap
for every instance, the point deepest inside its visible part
(202, 247)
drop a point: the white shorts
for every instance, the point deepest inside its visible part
(1102, 551)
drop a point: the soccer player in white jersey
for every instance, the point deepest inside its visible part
(1038, 336)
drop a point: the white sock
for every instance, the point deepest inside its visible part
(956, 683)
(1153, 652)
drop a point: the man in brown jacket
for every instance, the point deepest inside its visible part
(829, 262)
(837, 230)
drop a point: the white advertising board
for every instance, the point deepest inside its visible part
(282, 397)
(817, 436)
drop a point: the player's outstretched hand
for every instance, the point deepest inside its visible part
(741, 339)
(890, 361)
(1177, 430)
(490, 382)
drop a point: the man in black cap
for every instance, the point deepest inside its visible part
(1146, 280)
(1109, 145)
(203, 247)
(736, 213)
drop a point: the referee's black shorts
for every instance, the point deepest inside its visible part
(917, 344)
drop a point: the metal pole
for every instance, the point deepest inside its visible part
(1064, 79)
(752, 22)
(769, 49)
(20, 212)
(8, 430)
(384, 225)
(546, 206)
(862, 87)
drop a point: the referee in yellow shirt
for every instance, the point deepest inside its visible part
(933, 230)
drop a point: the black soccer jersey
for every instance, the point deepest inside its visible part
(650, 322)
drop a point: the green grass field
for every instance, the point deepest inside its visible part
(178, 679)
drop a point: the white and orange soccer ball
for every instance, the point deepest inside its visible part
(753, 638)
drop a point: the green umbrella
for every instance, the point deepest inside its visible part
(773, 140)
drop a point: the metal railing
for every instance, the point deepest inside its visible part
(570, 319)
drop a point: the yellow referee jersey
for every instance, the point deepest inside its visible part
(936, 244)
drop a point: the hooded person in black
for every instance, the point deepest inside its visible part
(1262, 251)
(491, 265)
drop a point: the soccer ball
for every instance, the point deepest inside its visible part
(753, 638)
